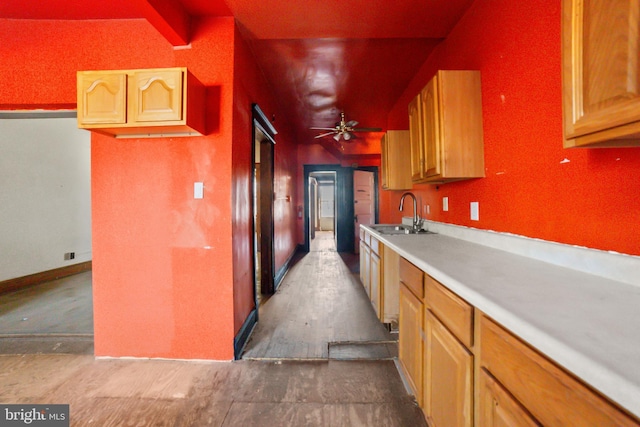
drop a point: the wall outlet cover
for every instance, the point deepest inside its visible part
(475, 211)
(445, 204)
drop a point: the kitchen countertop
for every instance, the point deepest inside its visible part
(587, 324)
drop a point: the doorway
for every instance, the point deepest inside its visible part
(322, 205)
(263, 173)
(344, 214)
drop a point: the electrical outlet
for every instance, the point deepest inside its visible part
(69, 255)
(475, 211)
(445, 204)
(198, 190)
(426, 210)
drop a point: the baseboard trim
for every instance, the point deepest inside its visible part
(44, 276)
(241, 339)
(285, 267)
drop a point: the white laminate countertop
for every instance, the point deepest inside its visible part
(587, 324)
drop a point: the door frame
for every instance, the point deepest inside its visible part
(345, 226)
(263, 130)
(260, 125)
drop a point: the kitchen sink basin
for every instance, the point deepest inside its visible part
(396, 229)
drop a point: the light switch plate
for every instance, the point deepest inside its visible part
(475, 211)
(198, 190)
(445, 204)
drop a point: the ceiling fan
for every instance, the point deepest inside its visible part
(344, 130)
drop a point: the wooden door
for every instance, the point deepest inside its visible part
(448, 373)
(498, 408)
(416, 138)
(410, 340)
(267, 277)
(156, 96)
(102, 98)
(363, 199)
(431, 128)
(601, 69)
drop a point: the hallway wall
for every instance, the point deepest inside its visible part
(45, 195)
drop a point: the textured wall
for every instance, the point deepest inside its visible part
(533, 187)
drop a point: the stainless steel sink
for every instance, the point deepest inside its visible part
(396, 229)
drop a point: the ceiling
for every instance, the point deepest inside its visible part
(320, 57)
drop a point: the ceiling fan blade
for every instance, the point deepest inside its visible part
(314, 128)
(351, 123)
(367, 130)
(324, 134)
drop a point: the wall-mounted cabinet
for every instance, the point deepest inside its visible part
(396, 157)
(445, 121)
(600, 73)
(141, 103)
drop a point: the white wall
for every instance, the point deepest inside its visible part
(45, 194)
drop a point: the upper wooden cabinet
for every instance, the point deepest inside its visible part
(445, 121)
(601, 73)
(396, 157)
(141, 103)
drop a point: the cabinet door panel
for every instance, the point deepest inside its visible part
(363, 263)
(601, 65)
(448, 377)
(374, 281)
(410, 346)
(102, 98)
(157, 96)
(498, 408)
(415, 136)
(431, 128)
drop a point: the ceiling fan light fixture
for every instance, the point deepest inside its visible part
(336, 137)
(347, 136)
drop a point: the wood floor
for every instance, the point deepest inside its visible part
(319, 302)
(288, 377)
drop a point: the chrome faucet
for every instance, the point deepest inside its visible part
(417, 221)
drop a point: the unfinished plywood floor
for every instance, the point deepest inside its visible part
(319, 302)
(244, 393)
(320, 306)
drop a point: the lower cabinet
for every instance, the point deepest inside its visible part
(448, 377)
(380, 277)
(410, 339)
(498, 408)
(467, 370)
(375, 281)
(365, 267)
(552, 396)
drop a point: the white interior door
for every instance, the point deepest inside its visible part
(363, 201)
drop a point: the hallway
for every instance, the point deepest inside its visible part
(293, 373)
(319, 305)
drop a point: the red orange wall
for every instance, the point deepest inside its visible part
(170, 275)
(590, 199)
